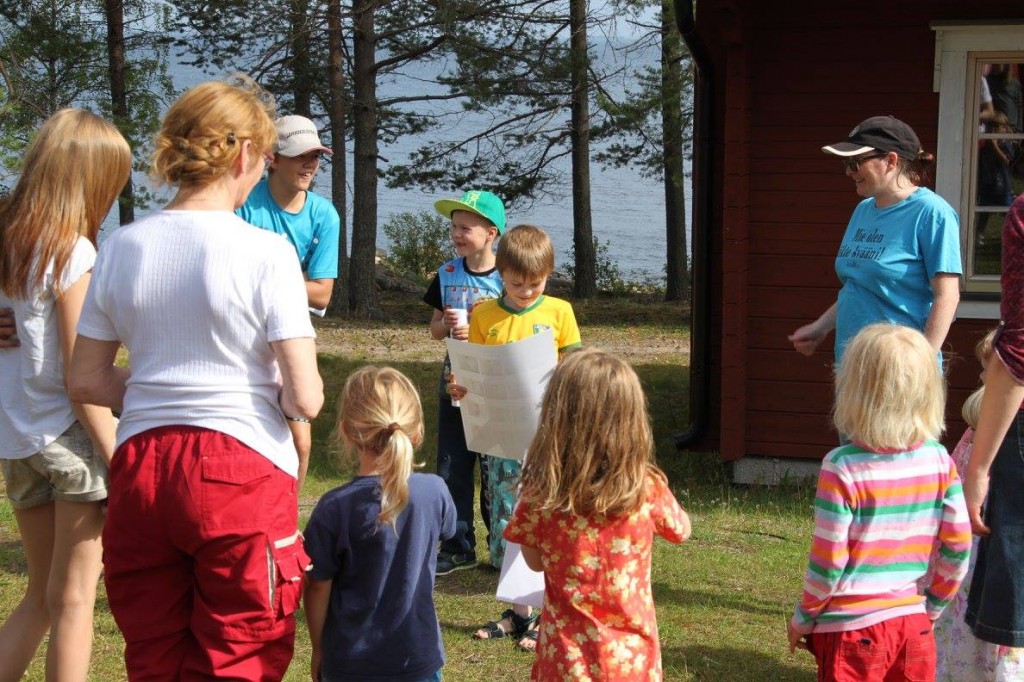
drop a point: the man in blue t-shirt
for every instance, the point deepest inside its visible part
(282, 203)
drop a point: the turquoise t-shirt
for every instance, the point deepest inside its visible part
(887, 260)
(313, 231)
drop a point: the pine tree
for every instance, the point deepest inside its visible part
(102, 56)
(648, 129)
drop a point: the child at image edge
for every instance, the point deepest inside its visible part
(478, 219)
(525, 259)
(883, 503)
(369, 596)
(591, 502)
(960, 656)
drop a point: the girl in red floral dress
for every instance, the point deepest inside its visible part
(591, 502)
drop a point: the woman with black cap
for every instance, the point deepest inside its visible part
(899, 260)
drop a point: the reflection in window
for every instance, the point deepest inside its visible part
(997, 159)
(988, 246)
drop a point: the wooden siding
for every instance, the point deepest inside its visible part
(790, 77)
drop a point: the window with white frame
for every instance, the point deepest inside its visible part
(979, 69)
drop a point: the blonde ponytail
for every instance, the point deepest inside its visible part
(380, 415)
(395, 467)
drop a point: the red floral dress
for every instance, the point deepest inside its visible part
(598, 620)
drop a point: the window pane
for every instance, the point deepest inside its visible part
(1003, 80)
(997, 159)
(988, 228)
(999, 131)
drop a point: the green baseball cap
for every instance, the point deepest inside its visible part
(479, 201)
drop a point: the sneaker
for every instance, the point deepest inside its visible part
(449, 563)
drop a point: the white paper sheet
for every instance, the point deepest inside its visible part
(506, 384)
(518, 583)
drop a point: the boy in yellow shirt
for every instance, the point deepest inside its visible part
(524, 260)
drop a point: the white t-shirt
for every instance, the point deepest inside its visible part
(34, 406)
(197, 297)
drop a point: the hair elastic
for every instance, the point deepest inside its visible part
(393, 426)
(231, 138)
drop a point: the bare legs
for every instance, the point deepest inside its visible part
(63, 553)
(24, 629)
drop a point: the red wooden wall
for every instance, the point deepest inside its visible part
(790, 77)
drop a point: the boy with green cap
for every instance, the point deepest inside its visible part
(478, 219)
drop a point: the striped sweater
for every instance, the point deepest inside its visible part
(877, 518)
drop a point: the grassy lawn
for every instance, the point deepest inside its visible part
(722, 598)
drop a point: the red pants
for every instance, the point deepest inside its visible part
(202, 557)
(891, 651)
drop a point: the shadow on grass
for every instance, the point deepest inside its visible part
(12, 558)
(665, 385)
(717, 664)
(709, 596)
(480, 581)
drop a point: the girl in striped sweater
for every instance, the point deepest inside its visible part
(883, 502)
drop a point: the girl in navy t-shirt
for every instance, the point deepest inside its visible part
(373, 541)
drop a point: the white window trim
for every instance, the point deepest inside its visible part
(954, 41)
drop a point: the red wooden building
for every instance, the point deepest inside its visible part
(776, 81)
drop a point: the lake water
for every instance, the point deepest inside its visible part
(628, 210)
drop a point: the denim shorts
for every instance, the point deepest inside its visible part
(67, 469)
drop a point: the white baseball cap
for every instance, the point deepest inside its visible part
(297, 135)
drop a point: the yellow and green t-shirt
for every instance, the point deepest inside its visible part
(493, 323)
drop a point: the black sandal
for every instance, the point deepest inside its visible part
(521, 625)
(532, 632)
(495, 631)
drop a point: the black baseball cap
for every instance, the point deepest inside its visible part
(878, 133)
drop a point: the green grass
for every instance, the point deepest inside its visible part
(722, 598)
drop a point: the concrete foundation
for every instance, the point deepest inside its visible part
(774, 471)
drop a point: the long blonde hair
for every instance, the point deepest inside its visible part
(379, 414)
(73, 170)
(593, 450)
(201, 134)
(890, 392)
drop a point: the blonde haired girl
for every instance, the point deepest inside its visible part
(380, 417)
(590, 473)
(54, 453)
(203, 560)
(369, 595)
(883, 502)
(886, 397)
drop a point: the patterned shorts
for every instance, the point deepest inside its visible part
(502, 488)
(67, 469)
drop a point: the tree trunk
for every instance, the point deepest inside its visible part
(114, 10)
(672, 154)
(583, 231)
(301, 88)
(336, 114)
(362, 290)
